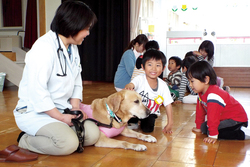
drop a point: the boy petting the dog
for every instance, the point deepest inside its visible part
(153, 90)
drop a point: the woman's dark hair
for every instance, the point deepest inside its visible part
(152, 45)
(72, 17)
(200, 70)
(188, 61)
(208, 46)
(177, 60)
(140, 39)
(154, 54)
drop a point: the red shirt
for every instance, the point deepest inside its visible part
(218, 105)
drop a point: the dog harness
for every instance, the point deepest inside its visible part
(109, 132)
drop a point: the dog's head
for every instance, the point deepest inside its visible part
(127, 104)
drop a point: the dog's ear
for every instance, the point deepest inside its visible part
(114, 101)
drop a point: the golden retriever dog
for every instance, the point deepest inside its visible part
(116, 110)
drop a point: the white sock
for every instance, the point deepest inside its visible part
(247, 132)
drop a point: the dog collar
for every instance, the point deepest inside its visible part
(112, 114)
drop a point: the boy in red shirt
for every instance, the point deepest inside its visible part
(226, 118)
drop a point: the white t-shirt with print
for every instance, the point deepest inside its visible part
(152, 99)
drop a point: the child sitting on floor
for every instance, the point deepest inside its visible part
(154, 91)
(192, 97)
(226, 118)
(174, 77)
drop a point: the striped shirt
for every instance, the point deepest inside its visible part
(174, 79)
(211, 61)
(137, 72)
(183, 87)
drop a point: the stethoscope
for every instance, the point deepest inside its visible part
(58, 54)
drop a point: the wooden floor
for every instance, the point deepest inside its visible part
(182, 148)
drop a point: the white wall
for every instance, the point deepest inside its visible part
(226, 55)
(50, 8)
(160, 23)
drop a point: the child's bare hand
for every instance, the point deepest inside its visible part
(210, 140)
(129, 86)
(177, 102)
(196, 130)
(167, 129)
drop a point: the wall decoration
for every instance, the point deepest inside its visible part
(174, 8)
(184, 8)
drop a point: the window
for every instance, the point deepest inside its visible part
(12, 14)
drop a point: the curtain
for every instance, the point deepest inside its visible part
(12, 13)
(31, 24)
(101, 51)
(134, 17)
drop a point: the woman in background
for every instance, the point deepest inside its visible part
(127, 64)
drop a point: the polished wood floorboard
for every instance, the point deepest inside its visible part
(183, 148)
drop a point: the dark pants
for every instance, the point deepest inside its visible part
(147, 124)
(228, 129)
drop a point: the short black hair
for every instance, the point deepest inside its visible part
(190, 53)
(154, 54)
(138, 62)
(188, 61)
(149, 45)
(152, 45)
(71, 17)
(177, 60)
(199, 70)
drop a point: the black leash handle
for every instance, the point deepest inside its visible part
(76, 112)
(80, 131)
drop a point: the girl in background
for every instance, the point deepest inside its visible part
(127, 64)
(206, 53)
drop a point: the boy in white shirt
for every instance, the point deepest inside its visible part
(154, 91)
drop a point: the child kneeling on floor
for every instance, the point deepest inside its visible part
(226, 118)
(153, 90)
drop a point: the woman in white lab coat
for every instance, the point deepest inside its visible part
(51, 82)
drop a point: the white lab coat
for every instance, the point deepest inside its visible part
(41, 89)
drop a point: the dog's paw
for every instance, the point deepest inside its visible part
(149, 138)
(139, 147)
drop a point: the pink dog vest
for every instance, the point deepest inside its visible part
(109, 132)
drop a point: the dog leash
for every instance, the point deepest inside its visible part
(80, 131)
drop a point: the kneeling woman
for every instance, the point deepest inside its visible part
(51, 82)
